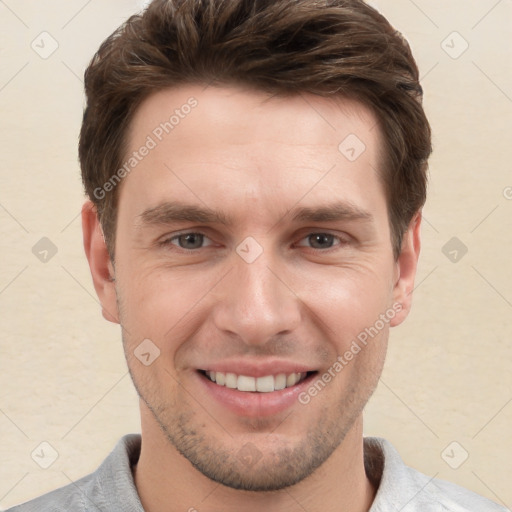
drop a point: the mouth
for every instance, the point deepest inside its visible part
(250, 384)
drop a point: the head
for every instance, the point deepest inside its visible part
(289, 136)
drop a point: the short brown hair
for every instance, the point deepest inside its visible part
(334, 48)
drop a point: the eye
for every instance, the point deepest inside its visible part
(192, 240)
(188, 241)
(322, 240)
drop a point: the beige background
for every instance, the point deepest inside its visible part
(63, 377)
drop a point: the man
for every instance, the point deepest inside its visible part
(256, 173)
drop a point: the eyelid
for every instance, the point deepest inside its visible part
(168, 240)
(342, 239)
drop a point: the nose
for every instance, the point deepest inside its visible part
(256, 302)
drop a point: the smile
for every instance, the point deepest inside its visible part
(264, 384)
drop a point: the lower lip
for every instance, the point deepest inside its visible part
(255, 404)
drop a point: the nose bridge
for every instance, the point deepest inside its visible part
(256, 304)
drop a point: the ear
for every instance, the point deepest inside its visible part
(406, 270)
(102, 270)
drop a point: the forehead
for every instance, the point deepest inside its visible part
(249, 148)
(241, 113)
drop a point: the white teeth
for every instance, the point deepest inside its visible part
(280, 381)
(231, 380)
(265, 384)
(245, 383)
(291, 379)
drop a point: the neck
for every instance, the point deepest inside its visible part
(167, 482)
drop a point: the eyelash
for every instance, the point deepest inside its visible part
(168, 241)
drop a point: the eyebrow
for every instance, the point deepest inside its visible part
(169, 212)
(332, 212)
(174, 211)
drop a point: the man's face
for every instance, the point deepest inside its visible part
(290, 262)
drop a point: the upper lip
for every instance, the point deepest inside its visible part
(257, 368)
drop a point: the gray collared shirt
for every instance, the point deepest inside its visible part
(400, 488)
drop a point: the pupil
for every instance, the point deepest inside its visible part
(322, 238)
(191, 238)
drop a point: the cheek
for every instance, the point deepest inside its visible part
(162, 303)
(348, 301)
(154, 304)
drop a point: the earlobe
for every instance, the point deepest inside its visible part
(102, 270)
(407, 264)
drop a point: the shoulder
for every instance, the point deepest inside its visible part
(70, 497)
(110, 487)
(409, 490)
(450, 497)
